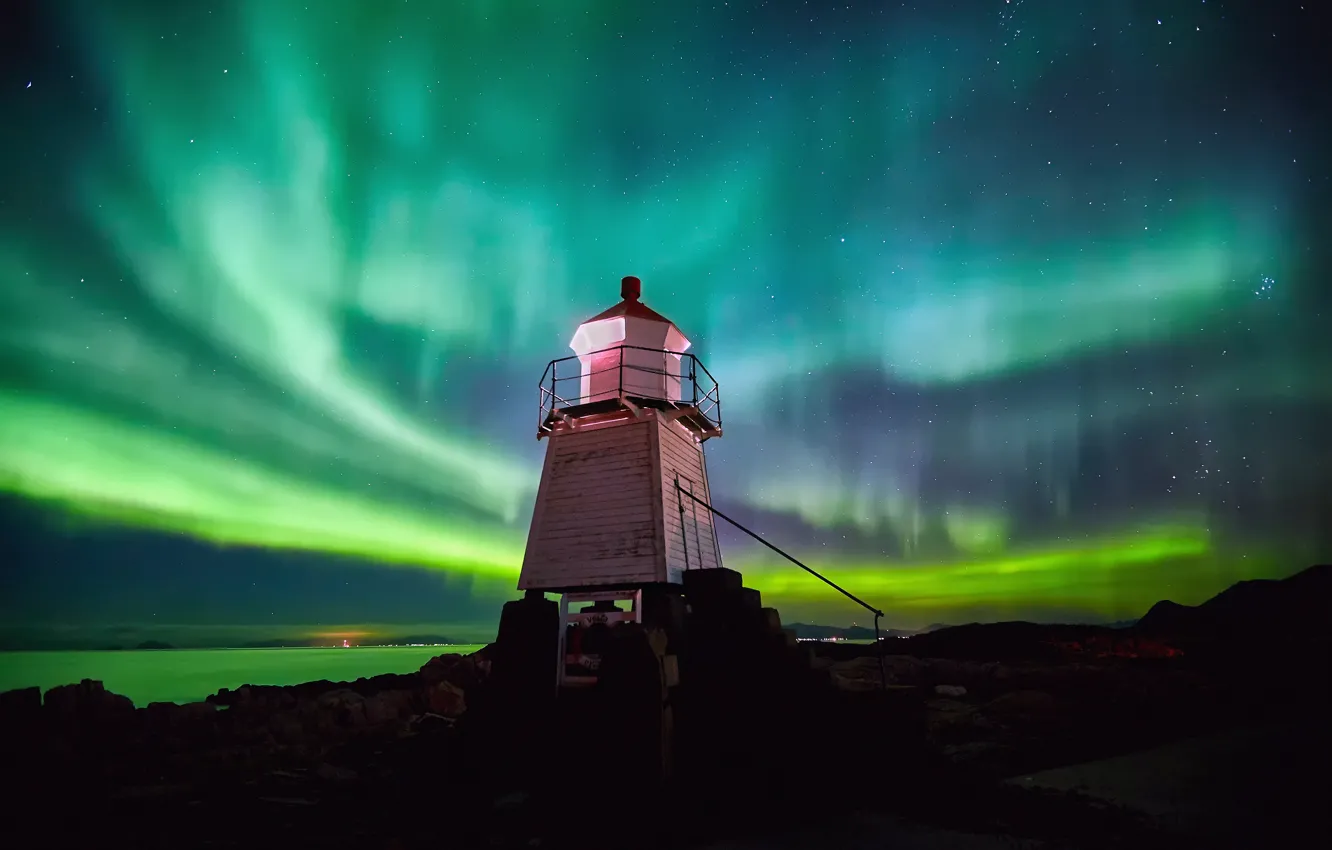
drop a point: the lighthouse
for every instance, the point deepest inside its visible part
(646, 625)
(618, 510)
(625, 418)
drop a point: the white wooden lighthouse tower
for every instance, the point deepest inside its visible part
(625, 419)
(649, 623)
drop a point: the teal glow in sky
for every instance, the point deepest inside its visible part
(979, 286)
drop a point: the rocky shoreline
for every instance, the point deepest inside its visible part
(929, 734)
(361, 751)
(254, 727)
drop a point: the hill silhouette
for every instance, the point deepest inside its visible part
(1256, 612)
(1255, 620)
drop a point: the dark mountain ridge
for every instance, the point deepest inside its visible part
(1259, 610)
(1286, 619)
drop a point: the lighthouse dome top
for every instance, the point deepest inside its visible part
(630, 323)
(629, 362)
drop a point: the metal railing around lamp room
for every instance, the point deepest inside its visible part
(660, 375)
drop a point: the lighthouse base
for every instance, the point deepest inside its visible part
(702, 704)
(667, 672)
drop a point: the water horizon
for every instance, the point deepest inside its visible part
(192, 675)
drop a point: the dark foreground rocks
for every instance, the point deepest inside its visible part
(1003, 718)
(92, 732)
(280, 747)
(406, 761)
(959, 741)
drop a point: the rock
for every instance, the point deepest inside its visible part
(446, 700)
(177, 724)
(857, 674)
(386, 682)
(948, 671)
(286, 728)
(464, 671)
(1023, 703)
(950, 690)
(432, 723)
(344, 707)
(946, 711)
(148, 792)
(87, 703)
(20, 707)
(198, 710)
(389, 706)
(976, 750)
(333, 773)
(951, 720)
(242, 697)
(904, 670)
(863, 673)
(21, 727)
(176, 712)
(482, 659)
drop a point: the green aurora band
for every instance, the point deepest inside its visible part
(295, 287)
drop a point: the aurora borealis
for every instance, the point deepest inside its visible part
(1017, 307)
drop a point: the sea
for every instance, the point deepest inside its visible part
(190, 675)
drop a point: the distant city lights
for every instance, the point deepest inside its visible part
(346, 644)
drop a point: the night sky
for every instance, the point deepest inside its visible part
(1019, 309)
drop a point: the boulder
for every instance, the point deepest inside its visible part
(175, 728)
(857, 674)
(1022, 704)
(21, 707)
(973, 751)
(863, 673)
(903, 669)
(389, 706)
(446, 699)
(165, 717)
(334, 773)
(341, 708)
(87, 703)
(464, 671)
(286, 728)
(950, 720)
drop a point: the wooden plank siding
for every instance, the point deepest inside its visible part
(598, 509)
(692, 545)
(607, 511)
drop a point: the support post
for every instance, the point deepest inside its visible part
(878, 648)
(698, 542)
(679, 501)
(561, 648)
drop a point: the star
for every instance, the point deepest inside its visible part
(998, 379)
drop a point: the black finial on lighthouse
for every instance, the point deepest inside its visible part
(631, 288)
